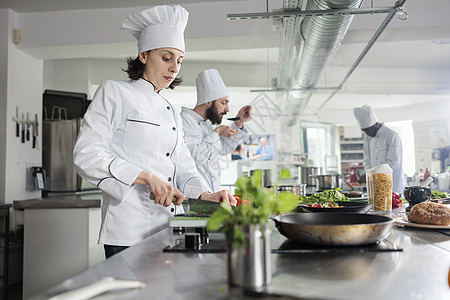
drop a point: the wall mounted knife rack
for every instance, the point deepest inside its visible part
(23, 127)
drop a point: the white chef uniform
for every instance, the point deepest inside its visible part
(207, 146)
(385, 147)
(129, 128)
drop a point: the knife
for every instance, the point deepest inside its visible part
(28, 126)
(197, 205)
(17, 122)
(23, 128)
(35, 130)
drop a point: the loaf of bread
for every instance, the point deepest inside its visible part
(430, 213)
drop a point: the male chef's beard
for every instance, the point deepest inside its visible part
(213, 115)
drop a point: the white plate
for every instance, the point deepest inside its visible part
(404, 221)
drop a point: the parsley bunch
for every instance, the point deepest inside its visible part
(258, 203)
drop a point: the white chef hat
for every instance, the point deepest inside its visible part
(158, 27)
(365, 116)
(210, 86)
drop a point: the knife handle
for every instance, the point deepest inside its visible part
(23, 135)
(152, 197)
(28, 134)
(34, 141)
(17, 129)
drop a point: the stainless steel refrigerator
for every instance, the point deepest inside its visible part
(59, 137)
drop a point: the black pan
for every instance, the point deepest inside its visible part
(347, 206)
(342, 229)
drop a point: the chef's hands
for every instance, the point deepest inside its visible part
(221, 196)
(245, 113)
(225, 131)
(162, 192)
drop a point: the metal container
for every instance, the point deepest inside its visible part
(59, 137)
(308, 175)
(249, 266)
(326, 182)
(266, 180)
(298, 189)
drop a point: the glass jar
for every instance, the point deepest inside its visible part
(379, 187)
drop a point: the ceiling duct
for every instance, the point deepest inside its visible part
(319, 39)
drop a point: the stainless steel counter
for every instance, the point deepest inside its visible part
(420, 271)
(89, 199)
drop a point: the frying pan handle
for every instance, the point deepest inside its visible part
(351, 186)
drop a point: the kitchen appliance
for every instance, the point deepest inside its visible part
(58, 140)
(357, 173)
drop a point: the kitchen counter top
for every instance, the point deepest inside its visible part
(64, 200)
(420, 271)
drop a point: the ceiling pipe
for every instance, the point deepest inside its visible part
(318, 41)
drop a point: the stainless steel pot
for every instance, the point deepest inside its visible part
(326, 182)
(308, 175)
(344, 229)
(266, 180)
(298, 189)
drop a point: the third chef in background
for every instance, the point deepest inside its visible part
(206, 142)
(382, 145)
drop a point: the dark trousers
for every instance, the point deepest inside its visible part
(110, 250)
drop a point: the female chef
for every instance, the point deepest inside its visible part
(131, 140)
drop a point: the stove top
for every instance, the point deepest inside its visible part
(286, 247)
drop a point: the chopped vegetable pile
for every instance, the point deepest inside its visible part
(325, 196)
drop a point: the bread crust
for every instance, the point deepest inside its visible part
(430, 213)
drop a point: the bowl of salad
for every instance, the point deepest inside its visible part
(331, 201)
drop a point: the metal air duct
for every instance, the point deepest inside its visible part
(319, 39)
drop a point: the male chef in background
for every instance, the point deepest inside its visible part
(382, 145)
(206, 142)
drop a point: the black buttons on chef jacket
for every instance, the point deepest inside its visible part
(169, 179)
(173, 128)
(167, 154)
(168, 107)
(172, 209)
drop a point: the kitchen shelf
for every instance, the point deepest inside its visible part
(352, 151)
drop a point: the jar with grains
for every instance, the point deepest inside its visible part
(379, 187)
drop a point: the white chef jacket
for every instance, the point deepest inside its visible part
(207, 146)
(386, 148)
(126, 129)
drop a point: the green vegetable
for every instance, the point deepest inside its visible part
(325, 196)
(258, 203)
(439, 195)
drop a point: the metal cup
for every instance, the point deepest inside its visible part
(249, 266)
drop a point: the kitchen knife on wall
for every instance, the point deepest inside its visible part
(17, 122)
(23, 128)
(35, 130)
(28, 126)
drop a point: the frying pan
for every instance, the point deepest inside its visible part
(334, 229)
